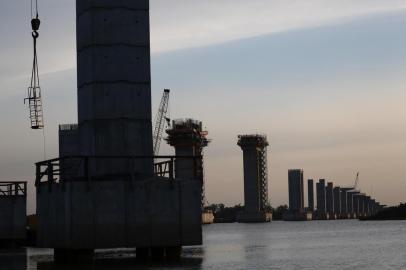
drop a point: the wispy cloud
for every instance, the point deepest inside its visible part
(187, 23)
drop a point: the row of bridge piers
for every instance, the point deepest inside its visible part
(332, 202)
(342, 203)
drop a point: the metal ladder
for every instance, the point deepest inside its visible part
(35, 107)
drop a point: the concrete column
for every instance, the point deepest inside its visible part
(321, 198)
(344, 213)
(367, 206)
(337, 201)
(114, 83)
(356, 205)
(310, 194)
(330, 200)
(254, 149)
(296, 192)
(251, 180)
(349, 203)
(361, 203)
(189, 140)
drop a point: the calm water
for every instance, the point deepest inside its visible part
(278, 245)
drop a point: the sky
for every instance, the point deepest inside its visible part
(324, 80)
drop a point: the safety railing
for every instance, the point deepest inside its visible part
(13, 188)
(81, 168)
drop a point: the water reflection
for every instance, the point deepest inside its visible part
(124, 264)
(33, 259)
(192, 259)
(279, 245)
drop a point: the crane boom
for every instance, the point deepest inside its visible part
(160, 120)
(356, 181)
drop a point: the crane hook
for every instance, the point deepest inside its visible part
(35, 23)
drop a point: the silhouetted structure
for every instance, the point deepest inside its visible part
(355, 207)
(310, 195)
(337, 201)
(321, 199)
(255, 178)
(330, 200)
(344, 213)
(296, 210)
(296, 193)
(105, 190)
(351, 203)
(13, 213)
(189, 139)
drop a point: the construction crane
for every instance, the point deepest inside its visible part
(161, 117)
(356, 182)
(34, 98)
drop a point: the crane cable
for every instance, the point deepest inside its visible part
(36, 9)
(35, 23)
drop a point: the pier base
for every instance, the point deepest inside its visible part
(69, 256)
(159, 253)
(254, 217)
(173, 253)
(297, 216)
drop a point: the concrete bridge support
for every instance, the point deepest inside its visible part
(13, 213)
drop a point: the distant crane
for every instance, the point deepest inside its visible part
(356, 182)
(161, 118)
(355, 186)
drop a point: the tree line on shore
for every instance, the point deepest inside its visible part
(223, 214)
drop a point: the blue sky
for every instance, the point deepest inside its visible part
(323, 79)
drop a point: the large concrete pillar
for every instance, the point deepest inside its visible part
(321, 199)
(350, 204)
(373, 207)
(361, 205)
(355, 200)
(367, 206)
(310, 194)
(254, 149)
(296, 193)
(189, 139)
(337, 201)
(330, 200)
(344, 213)
(114, 83)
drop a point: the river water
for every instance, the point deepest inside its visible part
(346, 244)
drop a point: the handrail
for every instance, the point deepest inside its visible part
(79, 168)
(9, 188)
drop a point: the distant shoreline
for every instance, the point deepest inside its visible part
(389, 213)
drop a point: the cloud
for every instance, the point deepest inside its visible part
(175, 24)
(189, 23)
